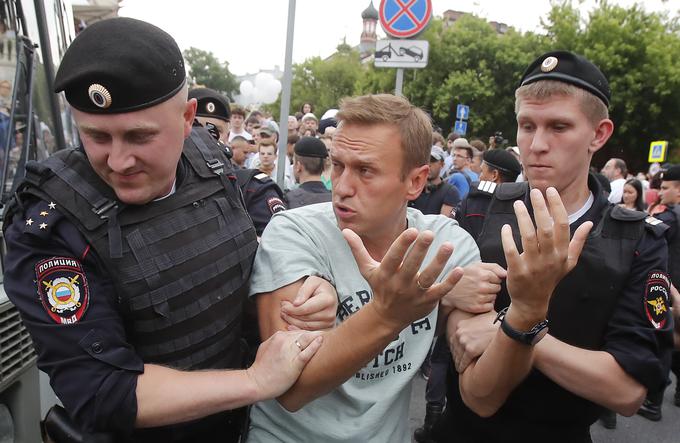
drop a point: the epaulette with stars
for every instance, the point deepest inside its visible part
(40, 218)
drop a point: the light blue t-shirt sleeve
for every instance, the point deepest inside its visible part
(288, 251)
(460, 183)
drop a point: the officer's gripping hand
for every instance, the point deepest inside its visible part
(402, 294)
(547, 257)
(476, 291)
(314, 308)
(469, 335)
(280, 360)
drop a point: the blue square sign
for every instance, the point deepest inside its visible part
(462, 112)
(460, 127)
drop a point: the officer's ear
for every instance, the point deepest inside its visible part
(603, 130)
(189, 113)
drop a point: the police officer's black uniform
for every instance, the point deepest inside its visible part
(105, 287)
(262, 196)
(615, 300)
(313, 191)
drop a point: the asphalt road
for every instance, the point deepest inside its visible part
(628, 430)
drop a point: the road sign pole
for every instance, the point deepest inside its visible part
(400, 82)
(285, 97)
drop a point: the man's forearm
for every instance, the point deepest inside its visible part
(346, 349)
(166, 396)
(593, 375)
(487, 383)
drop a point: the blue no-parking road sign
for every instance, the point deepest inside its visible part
(405, 18)
(460, 127)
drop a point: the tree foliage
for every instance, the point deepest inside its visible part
(471, 63)
(208, 71)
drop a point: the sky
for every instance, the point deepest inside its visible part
(251, 34)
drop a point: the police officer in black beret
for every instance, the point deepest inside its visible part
(129, 257)
(669, 195)
(308, 164)
(599, 337)
(262, 196)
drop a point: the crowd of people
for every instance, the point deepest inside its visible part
(175, 293)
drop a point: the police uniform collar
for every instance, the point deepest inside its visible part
(314, 186)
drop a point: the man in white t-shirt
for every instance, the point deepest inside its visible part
(390, 266)
(616, 171)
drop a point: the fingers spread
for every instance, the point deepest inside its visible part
(414, 256)
(560, 217)
(544, 223)
(394, 257)
(577, 243)
(429, 275)
(526, 229)
(509, 247)
(364, 261)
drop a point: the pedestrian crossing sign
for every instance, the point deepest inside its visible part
(658, 151)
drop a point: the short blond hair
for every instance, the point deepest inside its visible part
(593, 108)
(415, 127)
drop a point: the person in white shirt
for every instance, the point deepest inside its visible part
(615, 170)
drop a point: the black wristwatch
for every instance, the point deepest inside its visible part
(530, 338)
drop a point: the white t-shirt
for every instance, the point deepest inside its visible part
(373, 405)
(616, 196)
(243, 134)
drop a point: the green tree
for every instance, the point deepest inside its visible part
(639, 52)
(208, 71)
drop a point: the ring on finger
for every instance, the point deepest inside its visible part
(297, 343)
(420, 286)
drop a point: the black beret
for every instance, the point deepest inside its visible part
(120, 65)
(211, 103)
(310, 147)
(569, 68)
(327, 123)
(671, 174)
(503, 160)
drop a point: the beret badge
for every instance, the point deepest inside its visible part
(210, 107)
(99, 95)
(549, 64)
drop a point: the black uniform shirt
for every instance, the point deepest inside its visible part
(308, 193)
(262, 196)
(92, 367)
(433, 197)
(639, 346)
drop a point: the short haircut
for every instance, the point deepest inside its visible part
(467, 149)
(239, 138)
(313, 165)
(452, 136)
(238, 110)
(293, 138)
(255, 113)
(621, 165)
(413, 124)
(253, 120)
(437, 137)
(267, 142)
(593, 108)
(478, 144)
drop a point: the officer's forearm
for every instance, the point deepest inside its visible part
(486, 384)
(593, 375)
(166, 396)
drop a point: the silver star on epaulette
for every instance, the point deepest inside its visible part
(43, 225)
(29, 222)
(52, 205)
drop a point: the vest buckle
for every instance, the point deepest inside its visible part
(110, 204)
(216, 166)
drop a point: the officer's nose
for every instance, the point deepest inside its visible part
(120, 158)
(539, 142)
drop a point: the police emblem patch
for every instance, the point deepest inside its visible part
(657, 292)
(275, 205)
(63, 289)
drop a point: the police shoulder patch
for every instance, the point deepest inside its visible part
(486, 187)
(657, 290)
(63, 289)
(275, 205)
(262, 177)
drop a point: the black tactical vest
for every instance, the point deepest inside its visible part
(674, 250)
(180, 265)
(581, 305)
